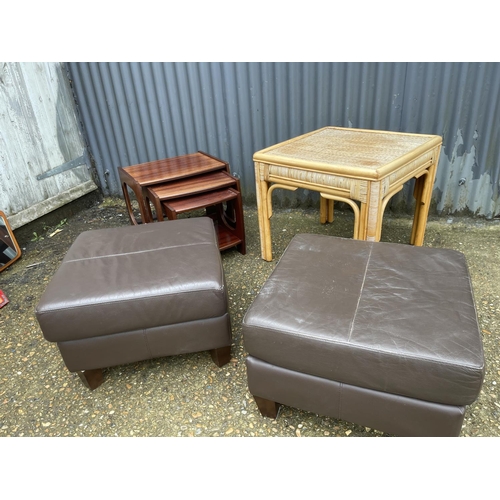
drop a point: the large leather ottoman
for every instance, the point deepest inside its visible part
(379, 334)
(133, 293)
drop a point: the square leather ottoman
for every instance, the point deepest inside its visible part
(133, 293)
(379, 334)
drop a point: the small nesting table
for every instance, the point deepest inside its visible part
(185, 183)
(363, 168)
(138, 177)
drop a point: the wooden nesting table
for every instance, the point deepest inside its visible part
(138, 177)
(363, 168)
(185, 183)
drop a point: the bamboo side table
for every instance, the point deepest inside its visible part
(363, 168)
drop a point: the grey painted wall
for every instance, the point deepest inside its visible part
(137, 112)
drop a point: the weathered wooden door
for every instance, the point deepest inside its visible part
(43, 159)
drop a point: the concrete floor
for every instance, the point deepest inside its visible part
(188, 395)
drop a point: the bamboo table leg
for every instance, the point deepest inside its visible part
(329, 217)
(422, 193)
(363, 211)
(417, 194)
(262, 190)
(325, 210)
(373, 212)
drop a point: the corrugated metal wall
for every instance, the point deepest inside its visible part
(137, 112)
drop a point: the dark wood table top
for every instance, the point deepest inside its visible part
(169, 169)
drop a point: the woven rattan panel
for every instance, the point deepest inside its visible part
(350, 148)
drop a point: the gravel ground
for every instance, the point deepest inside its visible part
(188, 395)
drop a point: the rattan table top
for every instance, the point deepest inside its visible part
(361, 153)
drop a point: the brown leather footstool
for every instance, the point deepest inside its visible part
(379, 334)
(133, 293)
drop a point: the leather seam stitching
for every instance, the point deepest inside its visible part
(137, 252)
(360, 294)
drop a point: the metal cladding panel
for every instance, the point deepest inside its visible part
(460, 102)
(137, 112)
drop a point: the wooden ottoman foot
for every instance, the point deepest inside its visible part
(221, 356)
(91, 379)
(266, 407)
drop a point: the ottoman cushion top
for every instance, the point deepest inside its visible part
(390, 317)
(135, 277)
